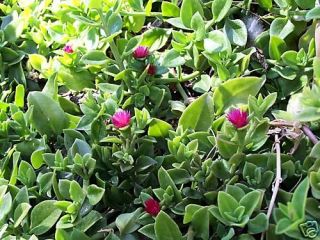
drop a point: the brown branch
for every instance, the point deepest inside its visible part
(307, 131)
(278, 178)
(304, 128)
(279, 123)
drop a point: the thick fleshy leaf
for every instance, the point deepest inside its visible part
(44, 216)
(159, 128)
(236, 91)
(236, 31)
(166, 228)
(188, 9)
(281, 27)
(47, 116)
(198, 115)
(220, 9)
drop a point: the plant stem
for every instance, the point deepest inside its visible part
(151, 14)
(85, 184)
(278, 178)
(182, 93)
(116, 55)
(175, 80)
(112, 44)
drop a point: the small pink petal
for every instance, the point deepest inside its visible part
(238, 118)
(68, 49)
(121, 119)
(152, 207)
(141, 52)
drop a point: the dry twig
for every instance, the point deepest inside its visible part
(278, 178)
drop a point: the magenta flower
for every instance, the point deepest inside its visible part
(121, 119)
(68, 48)
(141, 52)
(152, 69)
(238, 118)
(152, 207)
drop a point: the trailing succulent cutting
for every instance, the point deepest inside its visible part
(163, 120)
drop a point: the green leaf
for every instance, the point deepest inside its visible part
(89, 220)
(189, 8)
(3, 229)
(37, 159)
(76, 192)
(136, 4)
(226, 203)
(313, 14)
(43, 216)
(169, 9)
(189, 212)
(128, 222)
(165, 181)
(266, 4)
(166, 228)
(94, 194)
(47, 116)
(20, 213)
(315, 151)
(75, 80)
(5, 205)
(284, 225)
(80, 147)
(199, 114)
(197, 24)
(236, 91)
(290, 58)
(14, 171)
(19, 96)
(236, 31)
(250, 201)
(258, 224)
(132, 44)
(158, 128)
(299, 198)
(94, 57)
(36, 61)
(70, 135)
(217, 42)
(305, 4)
(26, 174)
(172, 58)
(155, 38)
(200, 223)
(179, 176)
(276, 47)
(282, 3)
(220, 9)
(148, 231)
(114, 24)
(97, 4)
(281, 27)
(316, 70)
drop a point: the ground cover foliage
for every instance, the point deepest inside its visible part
(160, 120)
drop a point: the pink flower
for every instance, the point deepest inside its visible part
(141, 52)
(238, 118)
(152, 207)
(152, 69)
(68, 48)
(121, 119)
